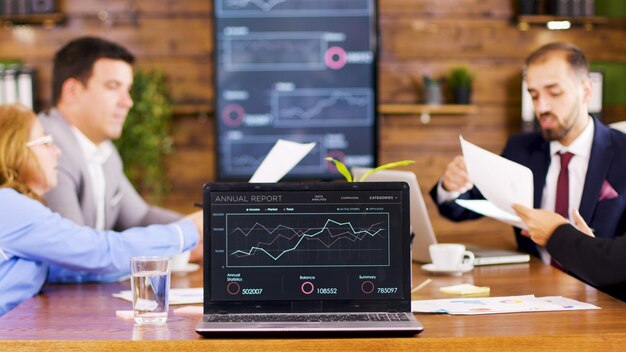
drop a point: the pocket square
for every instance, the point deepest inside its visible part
(607, 192)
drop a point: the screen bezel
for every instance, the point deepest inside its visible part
(401, 304)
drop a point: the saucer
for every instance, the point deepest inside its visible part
(187, 268)
(431, 268)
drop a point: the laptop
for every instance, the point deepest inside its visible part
(422, 229)
(494, 256)
(307, 258)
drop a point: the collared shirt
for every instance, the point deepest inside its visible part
(581, 148)
(577, 172)
(32, 237)
(96, 156)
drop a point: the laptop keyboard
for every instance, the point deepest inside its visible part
(231, 318)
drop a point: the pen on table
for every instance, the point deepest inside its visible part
(422, 285)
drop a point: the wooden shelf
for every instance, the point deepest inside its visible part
(416, 109)
(45, 19)
(588, 22)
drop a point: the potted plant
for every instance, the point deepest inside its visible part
(146, 140)
(460, 81)
(341, 167)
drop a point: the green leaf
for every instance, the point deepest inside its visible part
(341, 168)
(146, 139)
(387, 166)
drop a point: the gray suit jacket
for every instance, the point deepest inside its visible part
(73, 197)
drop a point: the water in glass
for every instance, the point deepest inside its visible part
(150, 296)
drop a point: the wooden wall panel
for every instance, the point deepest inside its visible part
(418, 37)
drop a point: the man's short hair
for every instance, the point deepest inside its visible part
(573, 55)
(76, 60)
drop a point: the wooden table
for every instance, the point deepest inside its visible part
(82, 317)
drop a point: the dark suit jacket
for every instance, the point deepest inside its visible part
(607, 162)
(598, 261)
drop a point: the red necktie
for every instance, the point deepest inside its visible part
(561, 205)
(562, 186)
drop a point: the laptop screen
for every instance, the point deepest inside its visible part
(306, 247)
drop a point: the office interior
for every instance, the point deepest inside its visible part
(416, 38)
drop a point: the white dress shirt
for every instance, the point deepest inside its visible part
(95, 155)
(581, 148)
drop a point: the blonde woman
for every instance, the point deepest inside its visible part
(32, 237)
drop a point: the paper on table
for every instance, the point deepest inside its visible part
(283, 156)
(177, 295)
(485, 207)
(503, 182)
(497, 305)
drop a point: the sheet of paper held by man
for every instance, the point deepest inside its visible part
(503, 182)
(280, 160)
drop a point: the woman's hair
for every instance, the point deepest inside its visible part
(18, 164)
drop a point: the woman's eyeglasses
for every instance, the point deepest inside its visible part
(46, 140)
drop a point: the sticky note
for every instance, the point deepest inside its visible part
(465, 289)
(189, 310)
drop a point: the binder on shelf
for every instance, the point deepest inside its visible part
(43, 6)
(25, 87)
(589, 7)
(26, 7)
(575, 8)
(10, 86)
(17, 85)
(2, 100)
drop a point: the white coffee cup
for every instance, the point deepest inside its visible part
(179, 262)
(450, 256)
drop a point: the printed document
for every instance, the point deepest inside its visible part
(496, 305)
(280, 160)
(503, 182)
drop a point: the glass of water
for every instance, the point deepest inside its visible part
(151, 288)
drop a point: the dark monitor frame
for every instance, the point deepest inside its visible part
(374, 37)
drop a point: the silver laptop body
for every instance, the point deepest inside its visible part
(307, 258)
(421, 228)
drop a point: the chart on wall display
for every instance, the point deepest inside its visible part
(300, 70)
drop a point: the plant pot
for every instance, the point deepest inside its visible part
(462, 95)
(433, 93)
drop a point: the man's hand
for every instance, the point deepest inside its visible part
(456, 179)
(541, 223)
(198, 251)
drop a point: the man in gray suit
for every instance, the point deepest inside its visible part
(90, 91)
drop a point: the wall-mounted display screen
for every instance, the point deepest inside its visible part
(300, 70)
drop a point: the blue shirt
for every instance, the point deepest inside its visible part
(32, 237)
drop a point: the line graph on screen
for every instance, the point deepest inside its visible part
(307, 240)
